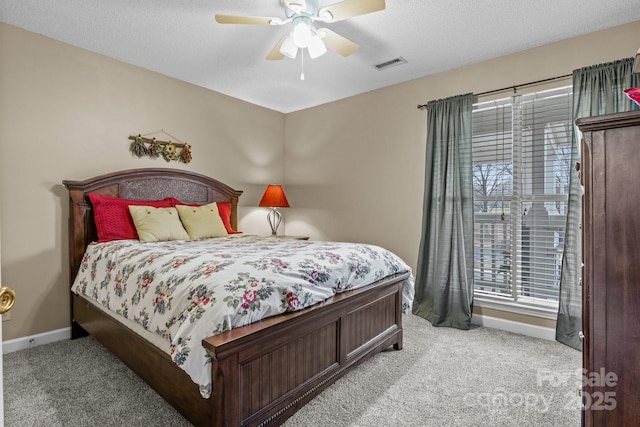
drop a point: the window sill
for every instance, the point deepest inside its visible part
(550, 312)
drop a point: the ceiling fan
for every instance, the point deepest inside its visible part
(302, 14)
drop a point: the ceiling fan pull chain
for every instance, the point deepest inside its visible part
(302, 66)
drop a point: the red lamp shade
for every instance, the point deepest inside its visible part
(274, 197)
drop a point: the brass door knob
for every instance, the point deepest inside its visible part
(7, 299)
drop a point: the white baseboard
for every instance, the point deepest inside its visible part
(16, 344)
(516, 327)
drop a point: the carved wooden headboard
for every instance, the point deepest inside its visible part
(138, 184)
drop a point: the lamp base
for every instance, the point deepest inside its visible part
(274, 218)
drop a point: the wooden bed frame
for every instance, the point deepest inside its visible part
(261, 373)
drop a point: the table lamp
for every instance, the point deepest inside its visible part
(274, 198)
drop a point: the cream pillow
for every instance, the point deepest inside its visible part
(202, 221)
(157, 224)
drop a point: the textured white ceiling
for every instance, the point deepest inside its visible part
(180, 38)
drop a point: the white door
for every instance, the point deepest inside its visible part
(1, 363)
(7, 298)
(1, 382)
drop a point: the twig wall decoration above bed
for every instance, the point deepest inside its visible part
(152, 147)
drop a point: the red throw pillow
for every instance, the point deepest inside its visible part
(224, 209)
(112, 217)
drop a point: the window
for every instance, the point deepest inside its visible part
(521, 167)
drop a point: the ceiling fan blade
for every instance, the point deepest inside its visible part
(337, 43)
(275, 54)
(296, 5)
(254, 20)
(350, 8)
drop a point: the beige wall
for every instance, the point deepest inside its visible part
(66, 113)
(352, 169)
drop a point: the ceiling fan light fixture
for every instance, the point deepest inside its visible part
(316, 47)
(289, 48)
(302, 15)
(302, 32)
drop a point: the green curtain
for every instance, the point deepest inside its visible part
(597, 90)
(444, 276)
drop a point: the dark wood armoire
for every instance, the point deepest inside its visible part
(610, 174)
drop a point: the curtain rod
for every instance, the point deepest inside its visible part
(514, 87)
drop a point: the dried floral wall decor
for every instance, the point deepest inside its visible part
(142, 145)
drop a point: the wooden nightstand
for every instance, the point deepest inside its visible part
(294, 237)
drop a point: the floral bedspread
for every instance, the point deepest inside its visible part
(185, 291)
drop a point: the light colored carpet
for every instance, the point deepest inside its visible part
(450, 377)
(442, 377)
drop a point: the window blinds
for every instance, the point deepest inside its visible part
(521, 167)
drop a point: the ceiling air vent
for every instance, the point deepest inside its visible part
(392, 63)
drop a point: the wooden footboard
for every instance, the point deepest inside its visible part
(282, 363)
(264, 372)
